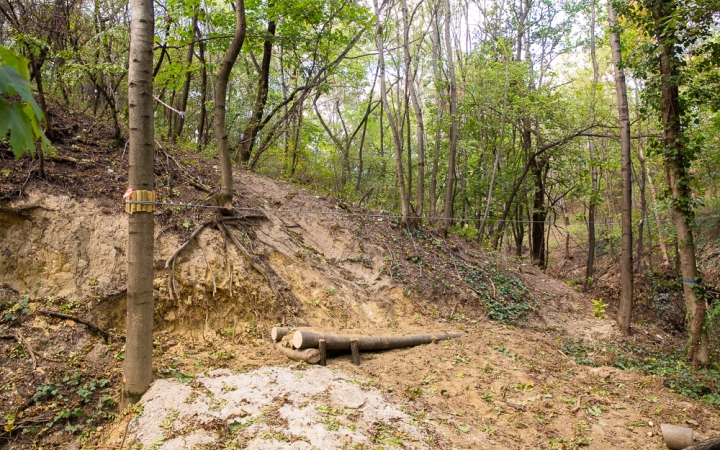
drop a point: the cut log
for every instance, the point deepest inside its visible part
(277, 333)
(676, 437)
(309, 339)
(309, 355)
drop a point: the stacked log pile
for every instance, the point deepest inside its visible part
(310, 346)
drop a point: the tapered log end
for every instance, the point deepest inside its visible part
(314, 357)
(297, 339)
(274, 334)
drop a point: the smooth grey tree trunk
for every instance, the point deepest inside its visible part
(449, 186)
(439, 104)
(417, 109)
(404, 200)
(137, 368)
(592, 203)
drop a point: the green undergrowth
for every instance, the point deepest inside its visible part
(505, 298)
(667, 363)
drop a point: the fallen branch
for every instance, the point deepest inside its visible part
(199, 186)
(308, 339)
(309, 355)
(578, 405)
(90, 325)
(518, 406)
(708, 444)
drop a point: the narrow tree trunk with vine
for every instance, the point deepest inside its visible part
(677, 162)
(626, 264)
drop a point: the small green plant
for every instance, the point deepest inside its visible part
(413, 393)
(11, 311)
(19, 352)
(599, 308)
(330, 290)
(69, 306)
(331, 424)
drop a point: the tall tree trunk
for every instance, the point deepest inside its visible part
(658, 223)
(676, 171)
(137, 368)
(538, 167)
(417, 109)
(439, 104)
(643, 213)
(449, 186)
(626, 266)
(170, 115)
(566, 222)
(593, 201)
(221, 135)
(362, 137)
(182, 105)
(397, 140)
(202, 119)
(253, 127)
(518, 230)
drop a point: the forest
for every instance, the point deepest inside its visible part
(581, 135)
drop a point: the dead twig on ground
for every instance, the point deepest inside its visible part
(578, 405)
(21, 339)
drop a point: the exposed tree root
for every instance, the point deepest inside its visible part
(90, 325)
(258, 268)
(170, 263)
(22, 211)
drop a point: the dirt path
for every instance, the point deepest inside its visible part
(497, 387)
